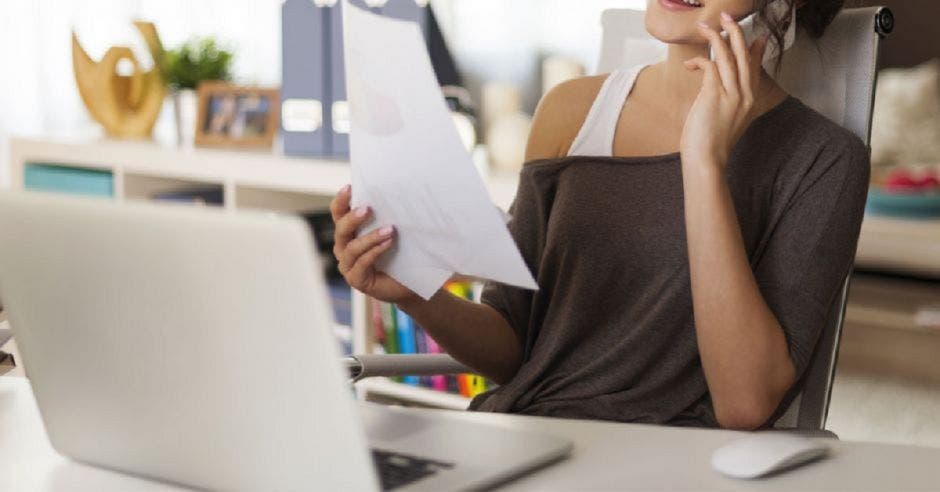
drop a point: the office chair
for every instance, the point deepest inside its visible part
(835, 75)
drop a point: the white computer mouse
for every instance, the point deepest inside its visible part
(766, 452)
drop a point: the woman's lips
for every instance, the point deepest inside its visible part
(677, 5)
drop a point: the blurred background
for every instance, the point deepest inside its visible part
(233, 108)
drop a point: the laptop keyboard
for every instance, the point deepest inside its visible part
(397, 470)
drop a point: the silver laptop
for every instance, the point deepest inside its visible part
(195, 346)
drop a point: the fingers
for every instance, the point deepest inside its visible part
(742, 58)
(361, 271)
(712, 80)
(727, 67)
(356, 255)
(757, 50)
(347, 225)
(339, 206)
(361, 245)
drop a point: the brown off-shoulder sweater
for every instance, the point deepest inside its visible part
(610, 333)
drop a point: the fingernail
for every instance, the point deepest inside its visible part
(345, 189)
(702, 25)
(726, 17)
(386, 231)
(362, 211)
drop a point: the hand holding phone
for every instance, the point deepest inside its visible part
(754, 29)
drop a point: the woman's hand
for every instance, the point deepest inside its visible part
(357, 255)
(724, 106)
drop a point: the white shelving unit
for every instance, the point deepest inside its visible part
(250, 180)
(266, 180)
(910, 246)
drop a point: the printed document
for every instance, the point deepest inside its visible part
(409, 165)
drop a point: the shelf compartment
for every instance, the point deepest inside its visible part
(890, 324)
(910, 246)
(148, 187)
(252, 197)
(894, 303)
(405, 393)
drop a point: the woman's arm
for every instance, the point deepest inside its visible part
(475, 334)
(743, 347)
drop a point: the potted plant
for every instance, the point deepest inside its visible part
(195, 61)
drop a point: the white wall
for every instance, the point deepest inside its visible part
(492, 39)
(37, 87)
(504, 40)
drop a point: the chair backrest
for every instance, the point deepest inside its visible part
(835, 75)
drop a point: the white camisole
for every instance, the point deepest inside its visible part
(596, 137)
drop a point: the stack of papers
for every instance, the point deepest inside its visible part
(410, 167)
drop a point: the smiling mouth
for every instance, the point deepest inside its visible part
(686, 3)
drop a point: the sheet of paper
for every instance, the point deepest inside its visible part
(409, 164)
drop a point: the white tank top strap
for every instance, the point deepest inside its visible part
(596, 137)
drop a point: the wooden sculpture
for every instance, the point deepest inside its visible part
(127, 106)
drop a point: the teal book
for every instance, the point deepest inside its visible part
(68, 180)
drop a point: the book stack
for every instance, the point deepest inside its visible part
(68, 180)
(394, 332)
(206, 195)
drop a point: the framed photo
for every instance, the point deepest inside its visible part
(236, 116)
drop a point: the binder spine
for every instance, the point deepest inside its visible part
(304, 83)
(337, 122)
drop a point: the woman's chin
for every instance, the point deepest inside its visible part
(672, 33)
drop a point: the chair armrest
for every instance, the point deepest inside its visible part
(369, 366)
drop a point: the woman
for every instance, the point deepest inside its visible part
(689, 225)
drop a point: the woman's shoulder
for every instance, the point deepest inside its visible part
(560, 115)
(815, 129)
(808, 145)
(797, 130)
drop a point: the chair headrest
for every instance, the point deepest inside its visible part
(834, 74)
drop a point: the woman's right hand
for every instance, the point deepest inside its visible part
(357, 255)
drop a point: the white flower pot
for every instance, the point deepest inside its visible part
(185, 107)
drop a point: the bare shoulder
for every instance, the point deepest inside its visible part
(559, 117)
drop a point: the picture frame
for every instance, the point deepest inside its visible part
(236, 116)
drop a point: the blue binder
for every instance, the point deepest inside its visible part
(407, 344)
(336, 110)
(304, 83)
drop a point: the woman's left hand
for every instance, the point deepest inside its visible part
(724, 106)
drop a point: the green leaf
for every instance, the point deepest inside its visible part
(194, 61)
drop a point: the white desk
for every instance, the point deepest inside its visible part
(606, 456)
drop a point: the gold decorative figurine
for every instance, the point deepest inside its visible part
(126, 106)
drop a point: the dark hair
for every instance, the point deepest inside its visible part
(814, 16)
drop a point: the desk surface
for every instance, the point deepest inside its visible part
(606, 456)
